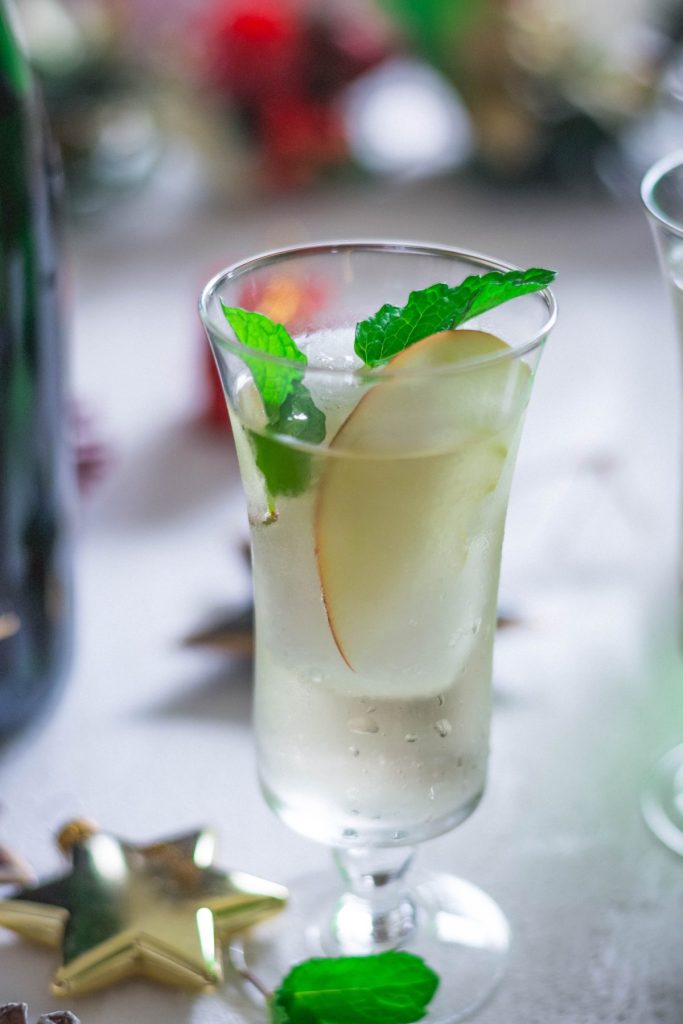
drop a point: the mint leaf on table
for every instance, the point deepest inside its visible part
(390, 988)
(287, 401)
(440, 308)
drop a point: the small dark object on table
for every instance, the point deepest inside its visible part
(232, 633)
(17, 1013)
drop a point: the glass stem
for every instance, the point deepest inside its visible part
(375, 913)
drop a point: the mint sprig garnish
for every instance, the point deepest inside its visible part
(259, 332)
(440, 308)
(287, 402)
(289, 407)
(389, 988)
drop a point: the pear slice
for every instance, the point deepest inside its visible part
(411, 478)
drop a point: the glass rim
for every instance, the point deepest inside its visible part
(659, 170)
(322, 248)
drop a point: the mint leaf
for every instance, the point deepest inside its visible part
(391, 988)
(257, 331)
(300, 417)
(440, 308)
(287, 470)
(481, 293)
(287, 401)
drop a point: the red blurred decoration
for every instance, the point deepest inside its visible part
(252, 51)
(283, 64)
(214, 413)
(284, 298)
(93, 455)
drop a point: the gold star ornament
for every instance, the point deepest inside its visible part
(160, 911)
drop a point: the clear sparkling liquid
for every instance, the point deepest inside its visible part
(395, 750)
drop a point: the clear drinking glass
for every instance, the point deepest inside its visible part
(662, 194)
(375, 581)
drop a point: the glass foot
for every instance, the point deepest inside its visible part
(461, 934)
(663, 800)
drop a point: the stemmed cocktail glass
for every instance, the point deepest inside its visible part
(376, 542)
(662, 194)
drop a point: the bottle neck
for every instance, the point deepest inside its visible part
(15, 70)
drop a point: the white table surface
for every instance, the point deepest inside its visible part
(152, 739)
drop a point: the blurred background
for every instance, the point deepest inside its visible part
(232, 98)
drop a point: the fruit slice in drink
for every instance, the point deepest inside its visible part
(414, 479)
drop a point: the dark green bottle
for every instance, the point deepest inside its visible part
(35, 591)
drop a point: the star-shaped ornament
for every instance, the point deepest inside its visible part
(160, 911)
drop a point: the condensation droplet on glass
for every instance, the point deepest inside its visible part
(354, 751)
(443, 727)
(316, 677)
(363, 724)
(476, 626)
(440, 701)
(350, 833)
(432, 794)
(410, 737)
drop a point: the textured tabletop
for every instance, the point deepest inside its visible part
(152, 739)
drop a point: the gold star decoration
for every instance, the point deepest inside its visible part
(160, 911)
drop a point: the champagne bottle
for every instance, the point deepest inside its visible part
(35, 592)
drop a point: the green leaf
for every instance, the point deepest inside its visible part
(290, 409)
(391, 988)
(287, 470)
(300, 417)
(274, 381)
(440, 308)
